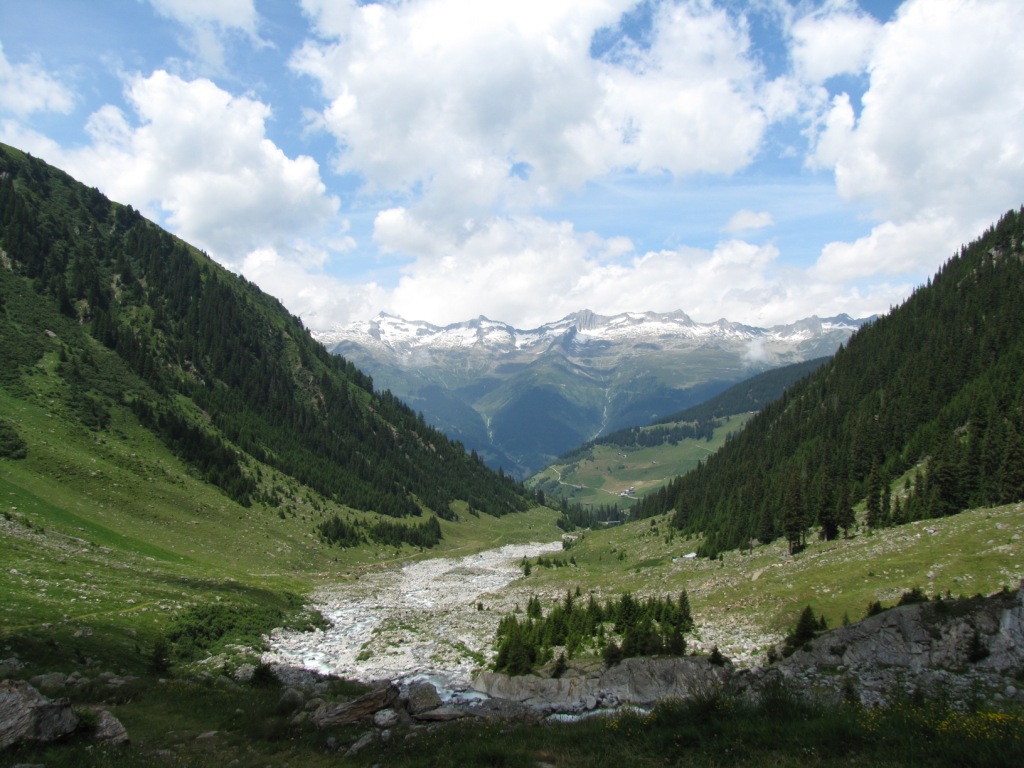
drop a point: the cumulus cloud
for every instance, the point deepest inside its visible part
(910, 247)
(197, 158)
(834, 40)
(527, 271)
(27, 88)
(744, 220)
(936, 151)
(939, 125)
(481, 105)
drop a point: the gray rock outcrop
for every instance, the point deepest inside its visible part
(984, 632)
(27, 715)
(639, 681)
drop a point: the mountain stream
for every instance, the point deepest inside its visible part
(432, 619)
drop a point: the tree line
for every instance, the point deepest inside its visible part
(932, 392)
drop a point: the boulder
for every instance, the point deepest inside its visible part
(330, 715)
(52, 681)
(386, 718)
(927, 635)
(291, 699)
(423, 697)
(27, 715)
(110, 730)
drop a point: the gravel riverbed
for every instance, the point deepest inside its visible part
(430, 619)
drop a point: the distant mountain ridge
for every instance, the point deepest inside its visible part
(582, 327)
(521, 397)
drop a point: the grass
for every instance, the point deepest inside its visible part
(722, 729)
(749, 600)
(191, 723)
(606, 471)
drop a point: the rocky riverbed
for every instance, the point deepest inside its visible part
(433, 618)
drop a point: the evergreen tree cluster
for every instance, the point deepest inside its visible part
(643, 627)
(346, 534)
(194, 338)
(576, 516)
(936, 386)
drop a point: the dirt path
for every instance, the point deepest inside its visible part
(421, 620)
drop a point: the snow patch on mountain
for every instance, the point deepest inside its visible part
(581, 327)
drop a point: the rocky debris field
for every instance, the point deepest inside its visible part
(433, 618)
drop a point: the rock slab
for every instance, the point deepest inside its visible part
(27, 715)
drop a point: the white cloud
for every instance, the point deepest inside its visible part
(936, 152)
(449, 97)
(527, 271)
(833, 41)
(200, 159)
(940, 122)
(913, 247)
(197, 158)
(27, 88)
(229, 14)
(208, 22)
(744, 220)
(320, 300)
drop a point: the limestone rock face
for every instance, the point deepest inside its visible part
(27, 715)
(640, 681)
(986, 632)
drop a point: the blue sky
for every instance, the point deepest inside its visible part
(441, 159)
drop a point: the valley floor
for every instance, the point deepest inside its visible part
(433, 617)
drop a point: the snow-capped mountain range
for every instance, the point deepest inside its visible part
(521, 397)
(400, 335)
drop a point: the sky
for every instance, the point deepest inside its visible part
(759, 161)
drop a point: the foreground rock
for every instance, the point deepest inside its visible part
(640, 682)
(956, 648)
(26, 715)
(365, 707)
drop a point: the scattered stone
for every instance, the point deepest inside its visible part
(52, 681)
(245, 672)
(386, 718)
(110, 730)
(364, 741)
(291, 699)
(444, 713)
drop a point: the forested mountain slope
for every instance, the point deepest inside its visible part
(932, 393)
(700, 420)
(221, 372)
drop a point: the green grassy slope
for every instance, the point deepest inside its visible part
(171, 438)
(599, 474)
